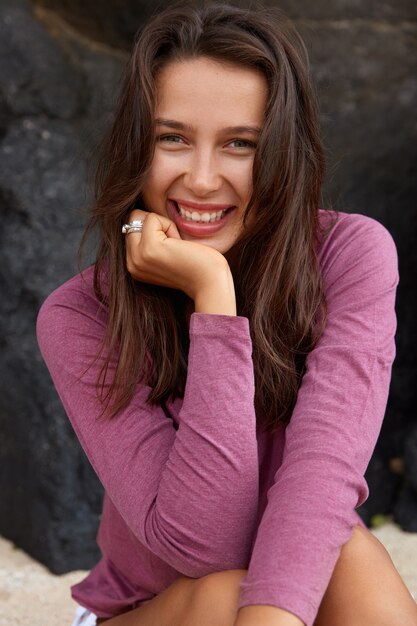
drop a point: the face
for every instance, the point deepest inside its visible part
(207, 122)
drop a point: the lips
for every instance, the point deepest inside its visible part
(199, 219)
(198, 216)
(202, 206)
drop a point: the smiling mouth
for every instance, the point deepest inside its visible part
(205, 217)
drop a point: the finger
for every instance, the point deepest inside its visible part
(162, 223)
(132, 242)
(159, 224)
(137, 216)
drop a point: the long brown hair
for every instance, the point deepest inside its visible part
(276, 273)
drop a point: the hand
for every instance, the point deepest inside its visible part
(159, 256)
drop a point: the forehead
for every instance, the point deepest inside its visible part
(230, 93)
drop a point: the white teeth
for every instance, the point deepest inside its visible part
(194, 216)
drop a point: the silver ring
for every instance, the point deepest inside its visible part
(132, 227)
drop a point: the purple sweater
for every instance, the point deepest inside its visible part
(218, 493)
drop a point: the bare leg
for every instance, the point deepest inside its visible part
(207, 601)
(365, 590)
(165, 609)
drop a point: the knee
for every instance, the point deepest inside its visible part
(365, 549)
(215, 598)
(366, 588)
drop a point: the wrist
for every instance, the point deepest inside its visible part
(217, 296)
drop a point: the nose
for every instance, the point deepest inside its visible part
(203, 175)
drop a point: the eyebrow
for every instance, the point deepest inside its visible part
(253, 130)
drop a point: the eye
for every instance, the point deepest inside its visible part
(171, 139)
(242, 143)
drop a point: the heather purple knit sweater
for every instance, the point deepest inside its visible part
(217, 493)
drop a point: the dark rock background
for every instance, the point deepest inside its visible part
(60, 65)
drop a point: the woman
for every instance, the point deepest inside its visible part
(226, 362)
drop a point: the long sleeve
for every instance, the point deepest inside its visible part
(188, 495)
(334, 427)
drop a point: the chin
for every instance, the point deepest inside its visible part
(222, 248)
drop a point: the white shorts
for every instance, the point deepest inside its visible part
(84, 617)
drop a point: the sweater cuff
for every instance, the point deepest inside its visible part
(281, 598)
(213, 324)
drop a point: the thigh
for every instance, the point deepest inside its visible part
(365, 588)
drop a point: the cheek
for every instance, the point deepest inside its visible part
(244, 182)
(164, 169)
(155, 175)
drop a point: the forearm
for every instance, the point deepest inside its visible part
(217, 297)
(256, 614)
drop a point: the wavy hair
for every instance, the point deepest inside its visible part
(275, 268)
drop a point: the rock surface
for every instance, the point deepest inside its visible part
(60, 64)
(51, 93)
(405, 511)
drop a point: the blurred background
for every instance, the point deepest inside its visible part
(60, 67)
